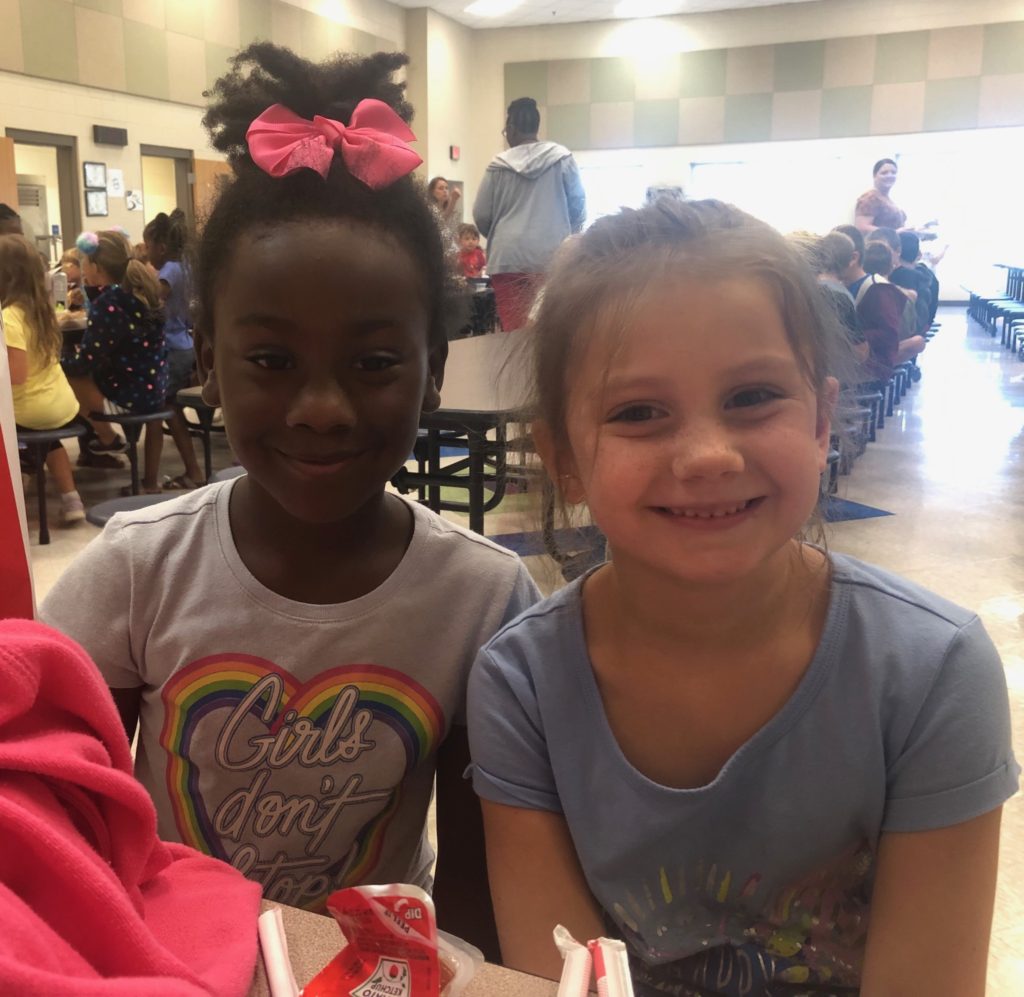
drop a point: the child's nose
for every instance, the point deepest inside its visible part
(705, 450)
(322, 405)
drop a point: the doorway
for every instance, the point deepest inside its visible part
(167, 177)
(46, 170)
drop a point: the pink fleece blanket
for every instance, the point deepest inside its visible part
(91, 901)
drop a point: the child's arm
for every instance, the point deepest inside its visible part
(949, 772)
(460, 884)
(931, 911)
(536, 883)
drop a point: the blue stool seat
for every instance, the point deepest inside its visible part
(100, 513)
(132, 423)
(38, 442)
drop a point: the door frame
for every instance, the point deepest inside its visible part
(184, 175)
(67, 176)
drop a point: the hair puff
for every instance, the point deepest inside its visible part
(88, 243)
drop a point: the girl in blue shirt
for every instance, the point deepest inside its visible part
(771, 770)
(166, 238)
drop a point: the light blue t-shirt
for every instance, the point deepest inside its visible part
(900, 723)
(177, 327)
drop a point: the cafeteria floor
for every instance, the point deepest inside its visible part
(949, 467)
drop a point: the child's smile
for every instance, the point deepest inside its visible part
(321, 362)
(696, 440)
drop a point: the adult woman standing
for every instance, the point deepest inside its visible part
(876, 209)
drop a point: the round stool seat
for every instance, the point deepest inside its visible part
(31, 437)
(100, 513)
(131, 418)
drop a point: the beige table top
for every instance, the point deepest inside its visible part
(313, 940)
(486, 374)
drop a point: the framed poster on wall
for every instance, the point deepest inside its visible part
(96, 202)
(95, 175)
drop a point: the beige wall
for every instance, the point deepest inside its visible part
(451, 95)
(646, 40)
(66, 109)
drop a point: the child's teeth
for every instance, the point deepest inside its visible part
(717, 514)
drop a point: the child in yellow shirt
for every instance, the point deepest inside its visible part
(43, 399)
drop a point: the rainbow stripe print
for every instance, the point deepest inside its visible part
(325, 723)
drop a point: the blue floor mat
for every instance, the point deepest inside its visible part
(838, 510)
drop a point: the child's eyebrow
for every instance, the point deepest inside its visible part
(265, 320)
(282, 323)
(771, 365)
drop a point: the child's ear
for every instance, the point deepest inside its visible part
(435, 378)
(827, 399)
(560, 466)
(204, 365)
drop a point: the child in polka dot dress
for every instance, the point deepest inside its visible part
(122, 358)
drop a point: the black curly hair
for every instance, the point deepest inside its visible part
(264, 74)
(171, 230)
(523, 116)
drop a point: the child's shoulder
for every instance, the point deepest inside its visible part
(166, 523)
(876, 590)
(553, 622)
(443, 539)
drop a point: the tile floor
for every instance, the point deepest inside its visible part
(950, 465)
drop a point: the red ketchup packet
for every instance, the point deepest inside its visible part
(392, 945)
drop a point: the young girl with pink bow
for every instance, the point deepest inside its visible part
(275, 638)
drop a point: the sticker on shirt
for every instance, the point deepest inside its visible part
(294, 783)
(706, 927)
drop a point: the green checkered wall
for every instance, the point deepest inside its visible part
(967, 77)
(168, 49)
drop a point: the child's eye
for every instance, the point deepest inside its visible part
(376, 362)
(636, 413)
(750, 397)
(271, 361)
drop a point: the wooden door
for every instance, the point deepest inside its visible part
(208, 173)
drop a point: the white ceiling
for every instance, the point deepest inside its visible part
(563, 11)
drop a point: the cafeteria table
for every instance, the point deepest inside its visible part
(313, 940)
(484, 390)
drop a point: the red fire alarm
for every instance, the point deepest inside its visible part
(454, 152)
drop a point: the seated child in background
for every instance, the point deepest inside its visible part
(121, 360)
(71, 265)
(471, 257)
(830, 256)
(886, 312)
(43, 399)
(294, 645)
(165, 240)
(762, 765)
(906, 275)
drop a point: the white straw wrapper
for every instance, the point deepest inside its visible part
(280, 977)
(575, 981)
(611, 967)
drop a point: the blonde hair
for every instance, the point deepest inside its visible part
(23, 283)
(111, 251)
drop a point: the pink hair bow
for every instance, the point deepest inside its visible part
(373, 144)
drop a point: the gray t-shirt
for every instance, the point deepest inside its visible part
(297, 742)
(900, 723)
